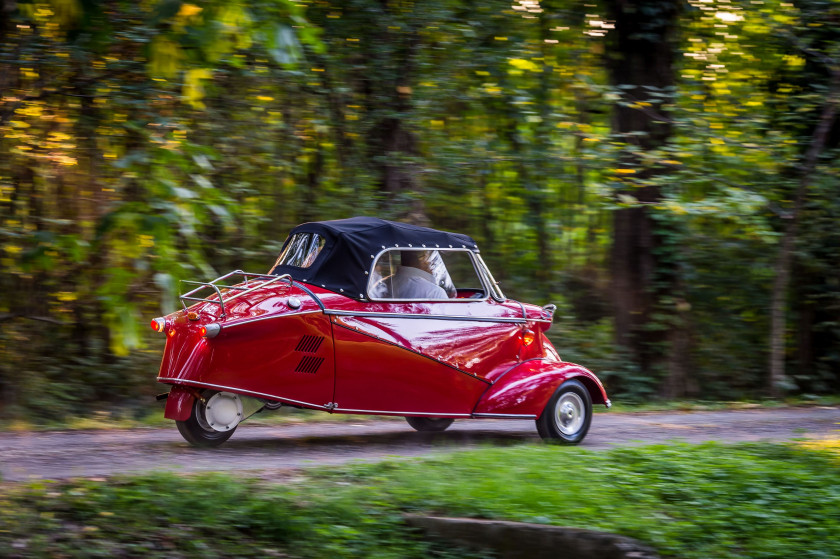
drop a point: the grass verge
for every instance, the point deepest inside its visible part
(747, 500)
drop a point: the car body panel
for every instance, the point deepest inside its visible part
(525, 388)
(378, 376)
(286, 355)
(397, 358)
(482, 348)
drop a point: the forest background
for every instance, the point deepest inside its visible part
(664, 171)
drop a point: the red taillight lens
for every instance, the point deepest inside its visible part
(528, 337)
(210, 330)
(158, 324)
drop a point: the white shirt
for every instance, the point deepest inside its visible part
(414, 283)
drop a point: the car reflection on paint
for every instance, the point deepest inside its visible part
(367, 316)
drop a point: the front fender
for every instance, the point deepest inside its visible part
(525, 389)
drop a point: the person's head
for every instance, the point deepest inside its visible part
(415, 259)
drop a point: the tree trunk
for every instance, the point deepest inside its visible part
(640, 60)
(778, 381)
(393, 144)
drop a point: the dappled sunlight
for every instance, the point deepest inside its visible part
(829, 444)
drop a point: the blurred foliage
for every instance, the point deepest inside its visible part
(144, 143)
(724, 501)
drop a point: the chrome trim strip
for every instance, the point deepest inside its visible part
(239, 391)
(403, 413)
(456, 300)
(431, 316)
(504, 416)
(273, 316)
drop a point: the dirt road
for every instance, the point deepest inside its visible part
(269, 450)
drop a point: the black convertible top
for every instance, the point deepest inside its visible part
(352, 244)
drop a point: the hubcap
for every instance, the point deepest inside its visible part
(570, 413)
(223, 411)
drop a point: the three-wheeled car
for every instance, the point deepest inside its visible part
(367, 316)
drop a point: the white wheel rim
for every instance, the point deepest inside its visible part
(223, 412)
(569, 413)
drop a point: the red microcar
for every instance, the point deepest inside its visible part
(366, 316)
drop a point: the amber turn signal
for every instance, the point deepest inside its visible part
(528, 337)
(158, 324)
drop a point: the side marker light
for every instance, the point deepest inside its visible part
(158, 324)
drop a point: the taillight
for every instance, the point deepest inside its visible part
(528, 337)
(210, 330)
(158, 324)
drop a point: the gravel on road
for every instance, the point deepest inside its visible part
(263, 450)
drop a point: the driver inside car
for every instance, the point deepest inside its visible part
(414, 279)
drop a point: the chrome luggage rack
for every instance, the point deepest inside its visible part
(218, 287)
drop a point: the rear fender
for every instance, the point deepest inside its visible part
(525, 389)
(179, 403)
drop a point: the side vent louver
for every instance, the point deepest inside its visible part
(309, 344)
(309, 364)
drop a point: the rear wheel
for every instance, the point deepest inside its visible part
(213, 420)
(429, 424)
(567, 415)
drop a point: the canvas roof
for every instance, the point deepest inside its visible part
(351, 246)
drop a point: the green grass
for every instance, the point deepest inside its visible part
(748, 500)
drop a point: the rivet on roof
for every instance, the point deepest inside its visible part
(424, 246)
(409, 244)
(371, 256)
(341, 290)
(450, 246)
(438, 246)
(463, 246)
(366, 273)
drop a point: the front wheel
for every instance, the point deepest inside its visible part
(429, 424)
(213, 420)
(567, 415)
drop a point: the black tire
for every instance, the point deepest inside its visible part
(567, 414)
(196, 431)
(429, 424)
